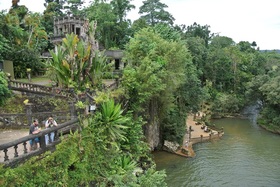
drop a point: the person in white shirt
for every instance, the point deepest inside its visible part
(49, 124)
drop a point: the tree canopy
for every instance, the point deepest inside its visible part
(169, 72)
(154, 12)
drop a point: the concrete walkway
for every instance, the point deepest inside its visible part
(196, 134)
(11, 135)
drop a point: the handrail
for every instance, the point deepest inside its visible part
(37, 88)
(20, 120)
(18, 158)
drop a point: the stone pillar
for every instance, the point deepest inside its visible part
(28, 107)
(190, 132)
(9, 80)
(28, 70)
(72, 109)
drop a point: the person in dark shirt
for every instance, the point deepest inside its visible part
(34, 129)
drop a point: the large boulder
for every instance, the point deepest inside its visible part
(171, 147)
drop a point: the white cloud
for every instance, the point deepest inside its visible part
(32, 5)
(241, 20)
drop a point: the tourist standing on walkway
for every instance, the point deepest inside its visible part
(34, 129)
(49, 124)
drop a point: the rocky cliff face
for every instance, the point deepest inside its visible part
(151, 132)
(152, 129)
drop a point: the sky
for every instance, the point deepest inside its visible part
(241, 20)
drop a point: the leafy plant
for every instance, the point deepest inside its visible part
(5, 93)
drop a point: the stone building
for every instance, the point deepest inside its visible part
(67, 25)
(71, 24)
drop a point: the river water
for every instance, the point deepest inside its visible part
(246, 156)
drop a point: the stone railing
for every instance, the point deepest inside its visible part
(21, 120)
(16, 152)
(212, 136)
(39, 89)
(17, 121)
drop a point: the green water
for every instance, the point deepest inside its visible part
(245, 156)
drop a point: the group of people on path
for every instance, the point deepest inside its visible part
(35, 129)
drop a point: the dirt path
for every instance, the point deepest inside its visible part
(10, 135)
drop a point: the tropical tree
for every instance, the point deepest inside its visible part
(19, 10)
(196, 30)
(271, 91)
(37, 37)
(122, 27)
(138, 24)
(105, 30)
(92, 157)
(154, 74)
(113, 29)
(154, 12)
(5, 92)
(222, 42)
(26, 38)
(265, 88)
(196, 46)
(4, 47)
(78, 63)
(53, 9)
(121, 8)
(74, 7)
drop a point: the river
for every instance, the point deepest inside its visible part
(246, 156)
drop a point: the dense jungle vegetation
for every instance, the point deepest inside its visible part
(170, 70)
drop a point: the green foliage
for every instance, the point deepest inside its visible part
(154, 12)
(53, 8)
(271, 90)
(138, 25)
(113, 29)
(269, 118)
(172, 127)
(73, 7)
(89, 157)
(5, 93)
(225, 104)
(42, 104)
(196, 46)
(265, 88)
(153, 179)
(221, 42)
(15, 104)
(112, 120)
(25, 37)
(26, 58)
(75, 65)
(121, 8)
(167, 32)
(196, 30)
(159, 66)
(4, 47)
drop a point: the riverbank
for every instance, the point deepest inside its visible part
(195, 134)
(274, 131)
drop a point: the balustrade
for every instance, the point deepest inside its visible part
(39, 89)
(19, 156)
